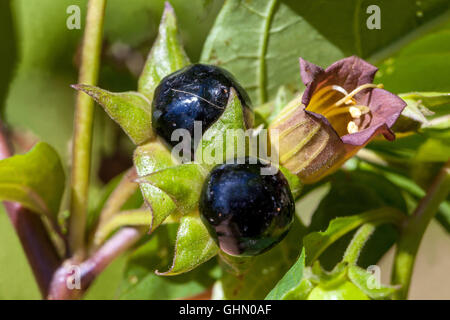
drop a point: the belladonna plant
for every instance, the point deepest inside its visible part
(252, 242)
(340, 112)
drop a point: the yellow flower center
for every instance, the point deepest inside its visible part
(341, 108)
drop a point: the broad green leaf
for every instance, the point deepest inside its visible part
(131, 110)
(150, 158)
(137, 218)
(287, 286)
(193, 247)
(223, 136)
(423, 64)
(166, 56)
(260, 41)
(368, 283)
(265, 270)
(183, 183)
(141, 282)
(250, 39)
(35, 179)
(317, 242)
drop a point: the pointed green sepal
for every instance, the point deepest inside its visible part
(226, 137)
(193, 247)
(166, 56)
(131, 110)
(183, 183)
(150, 158)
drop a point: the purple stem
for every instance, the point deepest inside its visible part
(89, 269)
(37, 245)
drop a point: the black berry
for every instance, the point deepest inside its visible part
(245, 212)
(195, 93)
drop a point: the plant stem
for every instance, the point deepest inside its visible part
(84, 114)
(38, 247)
(414, 230)
(123, 240)
(124, 190)
(361, 236)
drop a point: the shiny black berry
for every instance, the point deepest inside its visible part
(197, 92)
(246, 212)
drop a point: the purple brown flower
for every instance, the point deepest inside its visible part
(341, 110)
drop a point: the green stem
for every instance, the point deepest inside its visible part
(84, 114)
(414, 230)
(360, 238)
(124, 190)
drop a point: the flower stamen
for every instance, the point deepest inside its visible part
(354, 92)
(352, 127)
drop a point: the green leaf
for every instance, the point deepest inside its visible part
(182, 183)
(287, 287)
(223, 136)
(265, 270)
(36, 180)
(141, 282)
(193, 247)
(368, 283)
(260, 41)
(423, 64)
(249, 40)
(316, 243)
(131, 110)
(150, 158)
(166, 56)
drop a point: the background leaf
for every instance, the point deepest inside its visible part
(263, 52)
(141, 282)
(35, 180)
